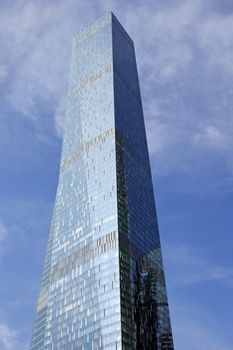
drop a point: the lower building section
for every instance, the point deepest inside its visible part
(150, 303)
(144, 305)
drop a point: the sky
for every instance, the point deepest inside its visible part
(184, 54)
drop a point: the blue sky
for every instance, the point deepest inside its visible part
(184, 53)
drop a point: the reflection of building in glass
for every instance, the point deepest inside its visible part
(103, 283)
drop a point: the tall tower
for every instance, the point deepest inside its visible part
(103, 283)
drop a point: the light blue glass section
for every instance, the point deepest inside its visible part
(80, 299)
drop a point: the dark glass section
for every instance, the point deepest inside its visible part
(144, 306)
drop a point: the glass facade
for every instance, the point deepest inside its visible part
(103, 283)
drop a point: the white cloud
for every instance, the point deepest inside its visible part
(3, 72)
(215, 36)
(59, 116)
(195, 332)
(8, 338)
(3, 231)
(195, 328)
(36, 41)
(11, 339)
(211, 136)
(191, 268)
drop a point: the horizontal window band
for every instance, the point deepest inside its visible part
(98, 247)
(84, 83)
(84, 35)
(87, 147)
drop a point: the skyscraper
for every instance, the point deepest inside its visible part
(103, 283)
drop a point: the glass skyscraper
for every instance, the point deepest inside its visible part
(103, 283)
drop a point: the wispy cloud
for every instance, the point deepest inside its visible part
(191, 268)
(8, 337)
(11, 339)
(194, 331)
(36, 45)
(196, 321)
(3, 233)
(185, 54)
(215, 36)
